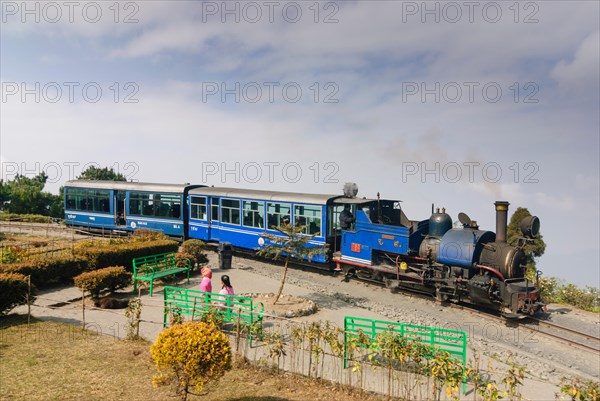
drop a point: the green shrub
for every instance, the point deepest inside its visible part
(554, 290)
(109, 278)
(580, 390)
(123, 254)
(81, 246)
(587, 299)
(12, 254)
(29, 218)
(48, 271)
(548, 287)
(192, 354)
(147, 235)
(195, 248)
(183, 259)
(13, 291)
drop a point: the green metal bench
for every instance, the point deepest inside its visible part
(149, 268)
(233, 308)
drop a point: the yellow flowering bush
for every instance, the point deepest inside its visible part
(192, 354)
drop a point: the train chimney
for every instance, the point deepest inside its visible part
(501, 220)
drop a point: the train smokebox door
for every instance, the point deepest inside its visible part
(225, 251)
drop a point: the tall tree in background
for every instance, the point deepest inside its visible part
(97, 173)
(291, 244)
(534, 249)
(4, 196)
(25, 195)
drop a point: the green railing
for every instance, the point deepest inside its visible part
(452, 341)
(233, 308)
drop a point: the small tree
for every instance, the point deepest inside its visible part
(98, 173)
(192, 353)
(292, 243)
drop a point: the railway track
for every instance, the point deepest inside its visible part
(38, 228)
(53, 229)
(574, 338)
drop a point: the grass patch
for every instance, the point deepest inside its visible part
(55, 361)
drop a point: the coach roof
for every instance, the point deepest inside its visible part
(129, 186)
(317, 199)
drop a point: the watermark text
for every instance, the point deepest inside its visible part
(470, 171)
(453, 12)
(54, 12)
(255, 92)
(70, 92)
(64, 171)
(254, 172)
(469, 92)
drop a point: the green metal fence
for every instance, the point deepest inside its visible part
(452, 341)
(233, 308)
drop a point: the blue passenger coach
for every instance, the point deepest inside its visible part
(127, 206)
(240, 216)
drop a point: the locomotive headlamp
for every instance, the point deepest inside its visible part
(530, 226)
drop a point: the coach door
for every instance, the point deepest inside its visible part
(119, 208)
(214, 223)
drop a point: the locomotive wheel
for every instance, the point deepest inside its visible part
(350, 273)
(440, 297)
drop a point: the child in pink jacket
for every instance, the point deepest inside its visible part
(226, 289)
(206, 283)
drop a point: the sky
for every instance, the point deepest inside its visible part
(456, 104)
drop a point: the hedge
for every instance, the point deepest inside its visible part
(109, 278)
(13, 291)
(146, 235)
(29, 218)
(195, 248)
(47, 271)
(122, 254)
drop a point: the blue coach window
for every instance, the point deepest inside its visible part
(154, 205)
(198, 207)
(147, 202)
(141, 204)
(168, 205)
(88, 199)
(309, 216)
(214, 213)
(278, 214)
(135, 204)
(230, 211)
(254, 214)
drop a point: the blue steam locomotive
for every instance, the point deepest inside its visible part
(430, 256)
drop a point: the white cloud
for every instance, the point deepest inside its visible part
(365, 33)
(581, 75)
